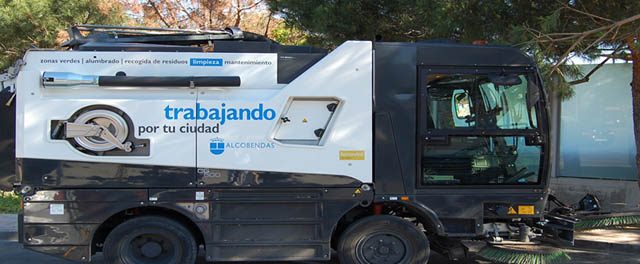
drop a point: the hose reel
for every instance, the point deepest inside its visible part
(99, 130)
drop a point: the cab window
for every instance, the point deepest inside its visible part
(466, 113)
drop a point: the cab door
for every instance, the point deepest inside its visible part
(479, 128)
(482, 151)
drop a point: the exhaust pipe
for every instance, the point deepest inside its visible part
(66, 79)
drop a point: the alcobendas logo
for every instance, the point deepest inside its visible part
(217, 145)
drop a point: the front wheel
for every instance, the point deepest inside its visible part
(383, 239)
(150, 239)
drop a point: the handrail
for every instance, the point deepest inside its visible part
(72, 80)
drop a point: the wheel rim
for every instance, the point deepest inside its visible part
(382, 248)
(151, 248)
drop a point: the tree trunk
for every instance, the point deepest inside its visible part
(635, 93)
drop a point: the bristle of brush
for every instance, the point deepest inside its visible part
(506, 256)
(605, 222)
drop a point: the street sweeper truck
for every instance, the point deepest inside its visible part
(151, 145)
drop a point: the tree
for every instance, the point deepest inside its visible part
(288, 35)
(41, 23)
(332, 22)
(250, 15)
(590, 29)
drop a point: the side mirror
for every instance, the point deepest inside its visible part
(505, 80)
(462, 105)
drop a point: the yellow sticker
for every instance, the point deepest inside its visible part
(357, 191)
(304, 120)
(512, 211)
(526, 209)
(352, 155)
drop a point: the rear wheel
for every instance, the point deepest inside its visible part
(150, 239)
(383, 239)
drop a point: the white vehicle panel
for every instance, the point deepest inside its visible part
(344, 74)
(179, 139)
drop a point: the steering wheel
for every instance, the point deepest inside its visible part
(521, 174)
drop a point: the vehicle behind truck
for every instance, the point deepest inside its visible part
(143, 145)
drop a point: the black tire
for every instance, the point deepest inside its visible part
(150, 239)
(383, 239)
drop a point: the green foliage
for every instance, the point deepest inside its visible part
(288, 35)
(9, 203)
(41, 23)
(329, 23)
(560, 35)
(555, 81)
(524, 24)
(550, 23)
(409, 20)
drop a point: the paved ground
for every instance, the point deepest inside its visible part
(595, 253)
(12, 253)
(8, 223)
(8, 227)
(626, 235)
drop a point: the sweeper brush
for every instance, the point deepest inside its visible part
(608, 220)
(588, 211)
(524, 254)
